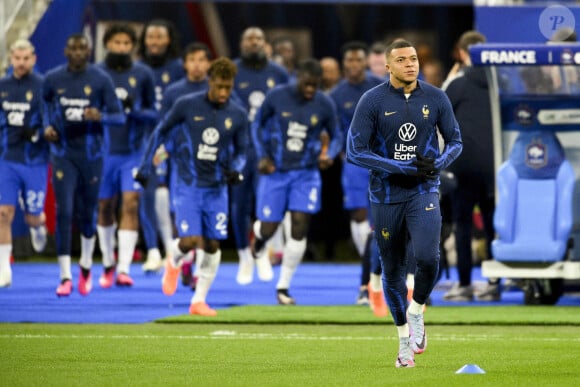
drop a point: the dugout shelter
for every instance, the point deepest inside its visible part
(535, 102)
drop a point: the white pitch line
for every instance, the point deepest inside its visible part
(228, 335)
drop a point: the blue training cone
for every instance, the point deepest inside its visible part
(470, 369)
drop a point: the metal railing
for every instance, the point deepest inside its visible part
(18, 18)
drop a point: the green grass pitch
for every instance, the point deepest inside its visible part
(319, 346)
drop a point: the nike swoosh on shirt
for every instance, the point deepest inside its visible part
(430, 208)
(389, 113)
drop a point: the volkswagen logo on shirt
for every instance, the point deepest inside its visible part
(407, 131)
(210, 136)
(255, 100)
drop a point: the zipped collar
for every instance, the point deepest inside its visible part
(392, 89)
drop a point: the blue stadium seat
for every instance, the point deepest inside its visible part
(533, 217)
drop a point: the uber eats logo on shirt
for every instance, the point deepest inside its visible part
(297, 132)
(407, 132)
(207, 149)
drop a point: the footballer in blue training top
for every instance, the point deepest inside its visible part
(81, 100)
(210, 152)
(134, 86)
(257, 75)
(355, 179)
(23, 153)
(286, 135)
(196, 61)
(159, 49)
(394, 133)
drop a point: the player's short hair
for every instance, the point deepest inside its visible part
(120, 28)
(354, 45)
(21, 44)
(78, 36)
(222, 68)
(309, 67)
(378, 48)
(399, 43)
(252, 28)
(282, 39)
(469, 38)
(195, 47)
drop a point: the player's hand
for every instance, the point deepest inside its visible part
(92, 114)
(425, 167)
(160, 155)
(233, 177)
(266, 166)
(324, 162)
(50, 134)
(30, 134)
(141, 178)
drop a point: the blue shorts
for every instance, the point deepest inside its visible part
(26, 181)
(201, 211)
(118, 175)
(355, 186)
(296, 190)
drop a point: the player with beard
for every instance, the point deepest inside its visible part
(158, 49)
(23, 153)
(134, 86)
(256, 76)
(81, 100)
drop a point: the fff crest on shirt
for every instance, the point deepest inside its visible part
(29, 95)
(271, 83)
(425, 111)
(165, 78)
(386, 234)
(87, 89)
(314, 120)
(228, 123)
(132, 81)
